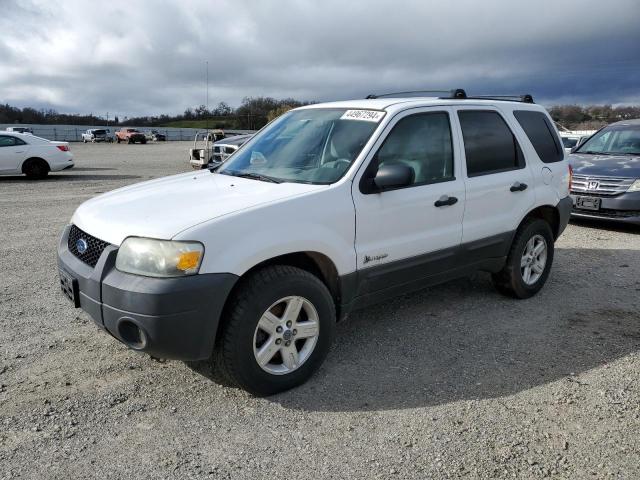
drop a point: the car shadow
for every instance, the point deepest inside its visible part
(463, 341)
(91, 169)
(58, 177)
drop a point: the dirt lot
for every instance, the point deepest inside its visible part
(455, 381)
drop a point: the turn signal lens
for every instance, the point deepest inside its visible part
(64, 148)
(189, 261)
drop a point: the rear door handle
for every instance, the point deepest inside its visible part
(445, 200)
(518, 187)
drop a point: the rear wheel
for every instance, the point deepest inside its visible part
(529, 261)
(278, 332)
(118, 139)
(35, 168)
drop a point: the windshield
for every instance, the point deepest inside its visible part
(306, 146)
(621, 140)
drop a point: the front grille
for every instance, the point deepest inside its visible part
(608, 213)
(95, 246)
(600, 186)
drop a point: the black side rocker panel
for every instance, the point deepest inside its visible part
(375, 284)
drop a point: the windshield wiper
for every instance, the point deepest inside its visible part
(591, 152)
(253, 176)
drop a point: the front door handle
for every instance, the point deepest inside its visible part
(446, 200)
(518, 187)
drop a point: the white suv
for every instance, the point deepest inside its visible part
(329, 208)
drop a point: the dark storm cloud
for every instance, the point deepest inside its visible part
(149, 57)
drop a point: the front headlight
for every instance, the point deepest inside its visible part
(159, 258)
(635, 186)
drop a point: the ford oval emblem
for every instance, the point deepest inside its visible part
(82, 245)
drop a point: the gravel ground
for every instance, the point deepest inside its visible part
(455, 381)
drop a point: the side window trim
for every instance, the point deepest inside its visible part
(373, 160)
(522, 161)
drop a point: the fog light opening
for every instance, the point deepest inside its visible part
(131, 334)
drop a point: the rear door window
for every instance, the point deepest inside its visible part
(489, 144)
(541, 134)
(6, 141)
(9, 141)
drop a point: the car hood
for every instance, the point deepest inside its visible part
(164, 207)
(606, 165)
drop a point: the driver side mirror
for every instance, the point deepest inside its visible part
(393, 176)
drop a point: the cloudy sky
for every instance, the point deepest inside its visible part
(148, 56)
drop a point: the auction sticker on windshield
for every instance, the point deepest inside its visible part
(366, 115)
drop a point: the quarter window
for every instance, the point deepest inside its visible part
(422, 142)
(542, 135)
(489, 145)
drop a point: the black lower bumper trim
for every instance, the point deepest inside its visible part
(173, 318)
(564, 210)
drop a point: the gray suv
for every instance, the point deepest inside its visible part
(606, 174)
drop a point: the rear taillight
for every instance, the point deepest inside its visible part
(64, 148)
(570, 177)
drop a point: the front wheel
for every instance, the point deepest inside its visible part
(280, 325)
(529, 261)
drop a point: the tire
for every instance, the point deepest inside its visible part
(514, 280)
(118, 139)
(143, 142)
(84, 140)
(36, 168)
(235, 357)
(129, 141)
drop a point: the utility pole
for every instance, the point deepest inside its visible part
(207, 102)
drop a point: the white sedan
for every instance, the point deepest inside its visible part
(31, 155)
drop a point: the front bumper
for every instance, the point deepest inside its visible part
(623, 208)
(173, 318)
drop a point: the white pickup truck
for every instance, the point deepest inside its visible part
(97, 135)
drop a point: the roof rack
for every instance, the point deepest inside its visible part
(459, 93)
(526, 98)
(456, 93)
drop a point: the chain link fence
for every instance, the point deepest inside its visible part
(73, 133)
